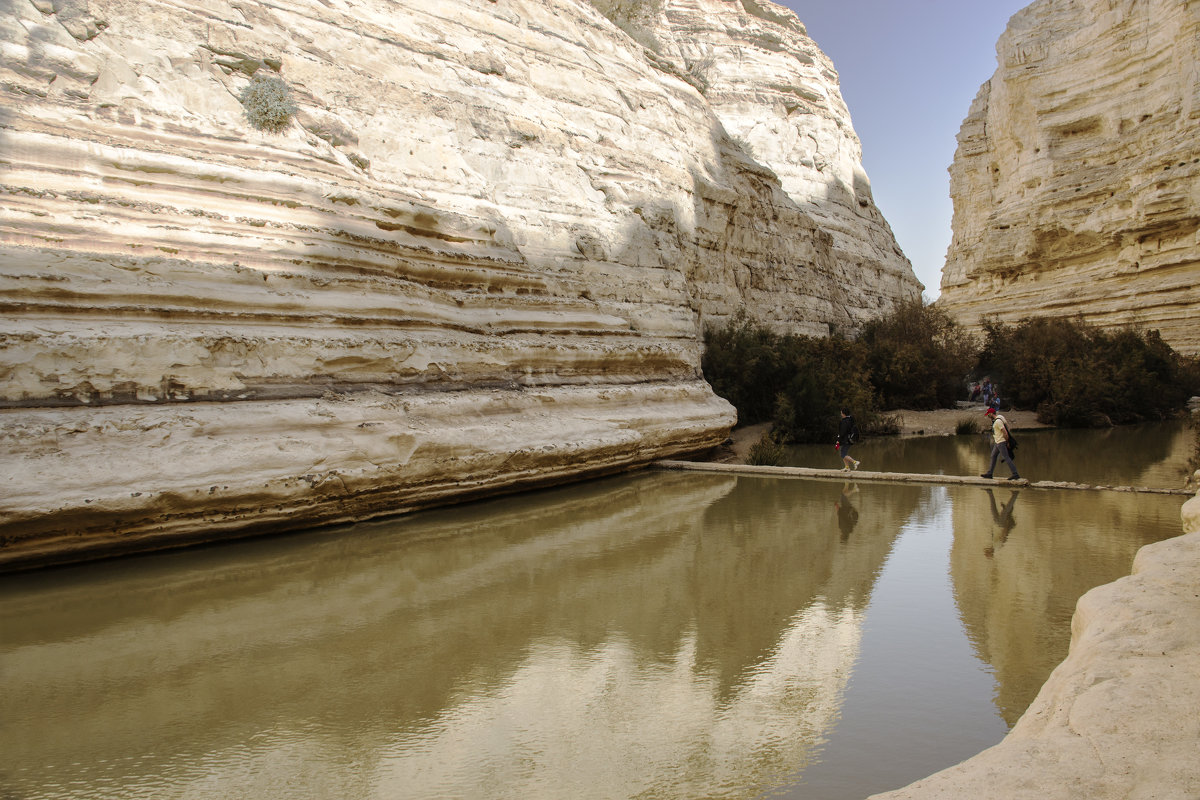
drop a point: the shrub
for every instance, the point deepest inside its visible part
(743, 363)
(917, 357)
(1076, 375)
(822, 376)
(799, 382)
(767, 451)
(966, 425)
(635, 17)
(883, 425)
(268, 102)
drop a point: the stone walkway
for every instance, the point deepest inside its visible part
(899, 477)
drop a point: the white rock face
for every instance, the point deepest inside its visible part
(1075, 180)
(777, 95)
(479, 258)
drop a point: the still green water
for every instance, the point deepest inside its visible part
(656, 635)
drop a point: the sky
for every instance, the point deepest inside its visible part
(909, 70)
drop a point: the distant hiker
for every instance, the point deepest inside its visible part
(985, 391)
(1000, 436)
(847, 435)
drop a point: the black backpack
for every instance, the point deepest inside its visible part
(854, 436)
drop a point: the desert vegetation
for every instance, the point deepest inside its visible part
(916, 357)
(267, 101)
(1076, 375)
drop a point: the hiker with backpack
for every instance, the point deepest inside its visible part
(1001, 442)
(847, 435)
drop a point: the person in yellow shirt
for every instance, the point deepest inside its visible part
(999, 445)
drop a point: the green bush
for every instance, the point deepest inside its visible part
(268, 102)
(1076, 375)
(917, 357)
(824, 375)
(798, 382)
(744, 364)
(767, 451)
(966, 425)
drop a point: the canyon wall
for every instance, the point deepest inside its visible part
(1075, 183)
(478, 258)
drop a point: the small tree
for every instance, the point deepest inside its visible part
(917, 357)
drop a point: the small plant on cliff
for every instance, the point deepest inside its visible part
(637, 18)
(268, 102)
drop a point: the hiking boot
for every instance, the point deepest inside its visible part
(985, 474)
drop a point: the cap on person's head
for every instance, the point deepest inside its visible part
(990, 410)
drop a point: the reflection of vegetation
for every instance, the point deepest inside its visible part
(1077, 375)
(1194, 462)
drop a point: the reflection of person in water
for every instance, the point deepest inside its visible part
(1002, 518)
(847, 514)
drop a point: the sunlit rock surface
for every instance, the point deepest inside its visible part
(478, 259)
(1074, 183)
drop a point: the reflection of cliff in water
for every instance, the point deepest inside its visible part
(708, 619)
(1017, 577)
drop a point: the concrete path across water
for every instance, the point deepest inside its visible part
(900, 477)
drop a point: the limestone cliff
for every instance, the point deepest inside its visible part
(1074, 183)
(478, 258)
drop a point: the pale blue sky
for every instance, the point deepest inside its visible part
(909, 70)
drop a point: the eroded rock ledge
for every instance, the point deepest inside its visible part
(478, 259)
(1118, 718)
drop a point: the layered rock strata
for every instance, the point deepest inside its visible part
(1074, 182)
(776, 93)
(478, 258)
(1117, 718)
